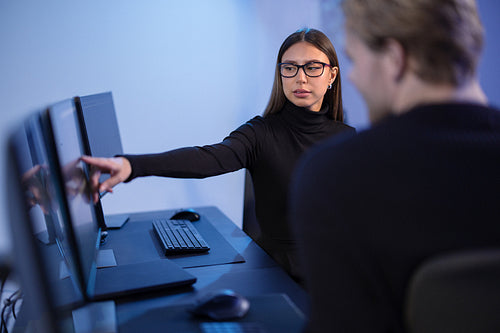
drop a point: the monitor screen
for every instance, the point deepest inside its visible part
(43, 253)
(64, 137)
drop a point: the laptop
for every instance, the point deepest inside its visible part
(52, 300)
(98, 273)
(100, 138)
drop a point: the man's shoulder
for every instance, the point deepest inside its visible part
(360, 140)
(347, 151)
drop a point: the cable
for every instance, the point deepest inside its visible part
(14, 302)
(3, 324)
(2, 286)
(13, 308)
(9, 302)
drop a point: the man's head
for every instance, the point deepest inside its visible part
(437, 41)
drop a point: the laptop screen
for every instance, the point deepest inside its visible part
(81, 223)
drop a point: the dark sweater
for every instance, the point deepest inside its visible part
(268, 147)
(411, 187)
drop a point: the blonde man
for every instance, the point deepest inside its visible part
(423, 180)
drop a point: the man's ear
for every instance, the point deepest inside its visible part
(396, 59)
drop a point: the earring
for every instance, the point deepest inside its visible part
(330, 86)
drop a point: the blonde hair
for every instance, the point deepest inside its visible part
(444, 37)
(333, 96)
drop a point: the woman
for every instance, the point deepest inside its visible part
(305, 107)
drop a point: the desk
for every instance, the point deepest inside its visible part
(258, 276)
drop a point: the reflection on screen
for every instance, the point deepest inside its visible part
(68, 147)
(44, 214)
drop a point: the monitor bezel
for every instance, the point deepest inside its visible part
(86, 279)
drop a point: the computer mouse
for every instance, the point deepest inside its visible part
(186, 214)
(222, 304)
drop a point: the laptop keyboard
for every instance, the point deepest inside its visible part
(179, 236)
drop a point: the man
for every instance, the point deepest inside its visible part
(423, 180)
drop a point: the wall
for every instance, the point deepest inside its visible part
(181, 72)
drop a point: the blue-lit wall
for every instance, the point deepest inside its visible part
(181, 72)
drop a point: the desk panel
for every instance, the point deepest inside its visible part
(273, 313)
(147, 246)
(136, 241)
(256, 278)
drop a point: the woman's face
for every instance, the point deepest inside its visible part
(302, 90)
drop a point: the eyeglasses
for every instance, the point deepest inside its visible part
(311, 69)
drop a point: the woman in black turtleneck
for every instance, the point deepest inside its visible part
(305, 107)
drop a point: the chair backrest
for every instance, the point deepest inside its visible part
(456, 292)
(250, 224)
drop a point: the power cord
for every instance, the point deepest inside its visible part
(11, 302)
(3, 324)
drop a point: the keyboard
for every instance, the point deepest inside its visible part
(179, 236)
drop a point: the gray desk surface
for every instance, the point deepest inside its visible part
(259, 275)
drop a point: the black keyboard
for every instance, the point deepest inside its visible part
(179, 236)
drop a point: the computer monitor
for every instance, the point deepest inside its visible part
(99, 125)
(63, 140)
(43, 258)
(100, 138)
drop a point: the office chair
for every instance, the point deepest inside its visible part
(250, 225)
(457, 292)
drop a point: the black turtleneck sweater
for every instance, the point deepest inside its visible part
(268, 147)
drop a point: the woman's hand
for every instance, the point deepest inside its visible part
(118, 168)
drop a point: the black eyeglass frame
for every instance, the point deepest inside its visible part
(303, 68)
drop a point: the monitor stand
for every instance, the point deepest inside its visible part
(116, 221)
(96, 317)
(105, 258)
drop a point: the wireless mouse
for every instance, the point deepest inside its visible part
(186, 214)
(221, 305)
